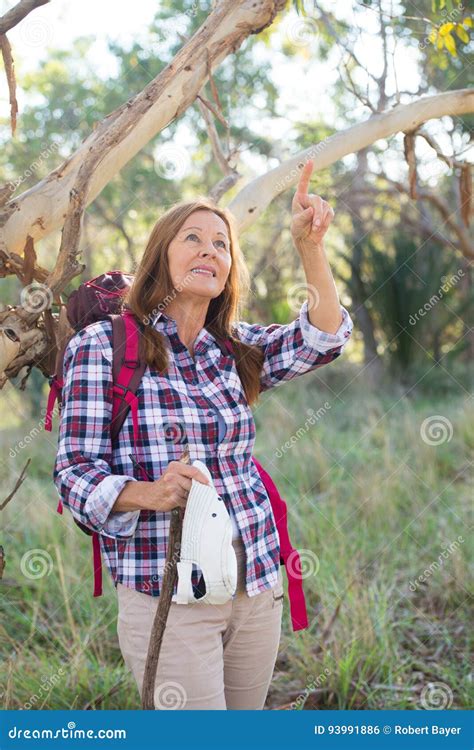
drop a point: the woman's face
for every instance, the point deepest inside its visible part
(202, 241)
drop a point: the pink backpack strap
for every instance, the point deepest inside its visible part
(56, 385)
(97, 563)
(56, 382)
(289, 555)
(127, 373)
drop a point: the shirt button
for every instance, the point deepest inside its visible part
(210, 413)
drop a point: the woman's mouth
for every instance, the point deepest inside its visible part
(203, 271)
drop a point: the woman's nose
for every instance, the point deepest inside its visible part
(209, 251)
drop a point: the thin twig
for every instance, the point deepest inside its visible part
(18, 484)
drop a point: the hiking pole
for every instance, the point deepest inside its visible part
(170, 577)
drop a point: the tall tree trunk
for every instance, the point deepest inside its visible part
(373, 364)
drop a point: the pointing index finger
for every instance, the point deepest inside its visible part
(305, 177)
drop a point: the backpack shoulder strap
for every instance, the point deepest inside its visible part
(127, 372)
(127, 368)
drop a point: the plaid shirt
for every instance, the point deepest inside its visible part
(201, 400)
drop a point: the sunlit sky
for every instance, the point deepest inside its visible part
(304, 83)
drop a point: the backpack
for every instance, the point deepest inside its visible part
(102, 298)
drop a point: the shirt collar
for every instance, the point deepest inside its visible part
(203, 341)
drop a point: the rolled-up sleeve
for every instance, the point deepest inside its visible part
(295, 348)
(82, 472)
(321, 341)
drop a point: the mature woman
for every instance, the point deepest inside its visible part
(187, 292)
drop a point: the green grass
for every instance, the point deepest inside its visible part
(371, 506)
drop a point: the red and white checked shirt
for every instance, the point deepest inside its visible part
(201, 399)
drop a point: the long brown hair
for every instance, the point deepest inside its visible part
(152, 287)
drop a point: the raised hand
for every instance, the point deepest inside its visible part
(311, 215)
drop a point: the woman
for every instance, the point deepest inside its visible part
(212, 656)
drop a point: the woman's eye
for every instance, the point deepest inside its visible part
(193, 234)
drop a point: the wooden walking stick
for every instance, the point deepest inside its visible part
(170, 577)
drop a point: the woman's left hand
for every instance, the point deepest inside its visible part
(311, 215)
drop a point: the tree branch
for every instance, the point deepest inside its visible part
(18, 13)
(255, 197)
(128, 129)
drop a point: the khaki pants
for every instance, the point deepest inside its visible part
(212, 656)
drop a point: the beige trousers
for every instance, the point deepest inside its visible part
(212, 656)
